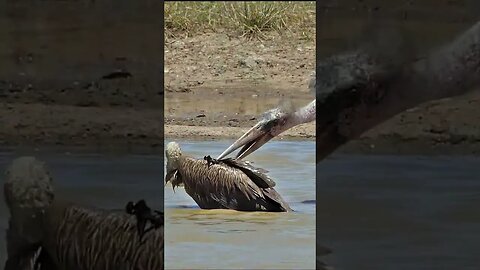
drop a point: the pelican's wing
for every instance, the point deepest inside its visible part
(258, 175)
(272, 194)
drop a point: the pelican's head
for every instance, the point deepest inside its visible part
(272, 123)
(357, 89)
(352, 93)
(173, 153)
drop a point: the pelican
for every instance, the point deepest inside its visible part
(383, 88)
(47, 233)
(358, 90)
(223, 184)
(273, 123)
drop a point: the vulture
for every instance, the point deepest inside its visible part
(223, 184)
(48, 233)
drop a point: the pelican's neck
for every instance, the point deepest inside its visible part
(306, 114)
(453, 69)
(450, 71)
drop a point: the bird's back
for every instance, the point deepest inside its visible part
(229, 185)
(79, 238)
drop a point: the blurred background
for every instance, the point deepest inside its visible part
(403, 195)
(81, 89)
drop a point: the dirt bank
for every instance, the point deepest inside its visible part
(80, 73)
(217, 85)
(58, 87)
(220, 90)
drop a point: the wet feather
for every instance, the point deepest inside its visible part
(45, 233)
(225, 184)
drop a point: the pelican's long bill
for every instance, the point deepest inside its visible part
(273, 123)
(251, 141)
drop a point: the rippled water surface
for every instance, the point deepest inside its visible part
(400, 212)
(374, 212)
(225, 239)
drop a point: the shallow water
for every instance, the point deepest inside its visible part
(225, 239)
(100, 180)
(185, 106)
(399, 212)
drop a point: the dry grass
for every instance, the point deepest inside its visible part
(248, 19)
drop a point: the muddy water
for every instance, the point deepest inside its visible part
(215, 104)
(399, 212)
(224, 239)
(392, 212)
(242, 105)
(100, 180)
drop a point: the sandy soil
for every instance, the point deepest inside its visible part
(218, 86)
(211, 93)
(78, 74)
(58, 89)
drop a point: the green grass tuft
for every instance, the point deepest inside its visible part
(248, 19)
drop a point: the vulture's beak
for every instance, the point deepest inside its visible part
(171, 174)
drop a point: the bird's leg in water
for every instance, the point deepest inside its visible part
(143, 213)
(210, 160)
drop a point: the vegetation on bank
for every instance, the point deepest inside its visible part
(247, 19)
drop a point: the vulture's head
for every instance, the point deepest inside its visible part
(173, 153)
(28, 193)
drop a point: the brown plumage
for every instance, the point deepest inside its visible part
(62, 235)
(223, 184)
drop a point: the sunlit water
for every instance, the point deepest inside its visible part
(226, 239)
(399, 212)
(98, 180)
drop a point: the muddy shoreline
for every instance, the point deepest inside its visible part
(56, 90)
